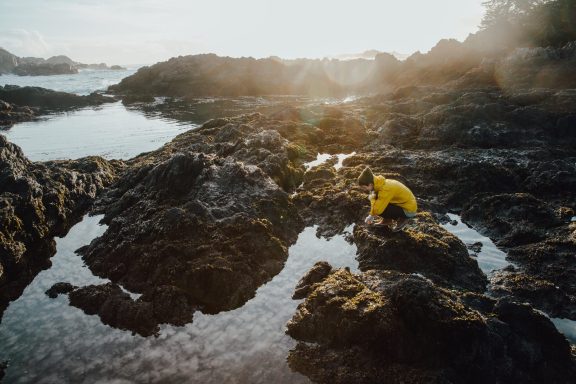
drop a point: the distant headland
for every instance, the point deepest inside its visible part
(37, 66)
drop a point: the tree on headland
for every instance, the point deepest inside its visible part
(531, 23)
(506, 12)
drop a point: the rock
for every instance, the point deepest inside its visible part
(541, 294)
(206, 229)
(58, 289)
(11, 114)
(44, 69)
(427, 249)
(319, 272)
(142, 316)
(3, 367)
(37, 202)
(8, 61)
(515, 219)
(475, 247)
(46, 99)
(388, 325)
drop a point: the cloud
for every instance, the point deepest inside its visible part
(22, 42)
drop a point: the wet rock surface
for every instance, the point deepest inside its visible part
(11, 114)
(384, 325)
(204, 221)
(115, 307)
(37, 202)
(59, 289)
(48, 100)
(539, 240)
(424, 248)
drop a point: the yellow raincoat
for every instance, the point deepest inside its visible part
(391, 192)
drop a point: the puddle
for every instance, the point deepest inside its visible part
(566, 327)
(47, 341)
(489, 258)
(321, 158)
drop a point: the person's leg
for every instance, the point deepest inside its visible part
(391, 214)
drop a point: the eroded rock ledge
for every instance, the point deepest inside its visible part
(37, 202)
(393, 327)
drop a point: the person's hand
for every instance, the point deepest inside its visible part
(369, 219)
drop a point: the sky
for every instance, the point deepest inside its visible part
(148, 31)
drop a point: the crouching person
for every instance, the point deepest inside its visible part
(389, 199)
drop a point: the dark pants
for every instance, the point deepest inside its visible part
(393, 212)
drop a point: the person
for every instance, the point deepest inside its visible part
(389, 199)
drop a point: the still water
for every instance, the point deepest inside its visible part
(111, 131)
(491, 258)
(47, 341)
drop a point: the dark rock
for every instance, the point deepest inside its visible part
(426, 249)
(116, 308)
(44, 69)
(3, 367)
(388, 325)
(203, 228)
(37, 202)
(515, 219)
(318, 273)
(476, 247)
(11, 114)
(58, 289)
(541, 294)
(47, 99)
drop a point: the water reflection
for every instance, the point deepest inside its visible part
(489, 258)
(110, 131)
(48, 341)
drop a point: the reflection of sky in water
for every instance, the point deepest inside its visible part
(110, 131)
(321, 158)
(48, 341)
(490, 257)
(84, 82)
(567, 327)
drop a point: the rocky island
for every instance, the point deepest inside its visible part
(37, 66)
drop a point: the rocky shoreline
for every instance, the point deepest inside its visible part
(202, 222)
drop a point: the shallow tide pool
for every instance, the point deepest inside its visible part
(491, 258)
(47, 341)
(110, 131)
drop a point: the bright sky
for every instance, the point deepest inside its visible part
(147, 31)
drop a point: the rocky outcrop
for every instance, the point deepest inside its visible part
(44, 69)
(11, 114)
(37, 66)
(8, 61)
(540, 240)
(47, 99)
(37, 202)
(393, 327)
(425, 248)
(116, 308)
(203, 222)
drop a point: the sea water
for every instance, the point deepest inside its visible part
(84, 82)
(111, 131)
